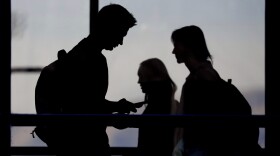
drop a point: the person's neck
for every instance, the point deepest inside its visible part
(196, 65)
(94, 40)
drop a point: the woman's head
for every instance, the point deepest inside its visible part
(189, 41)
(151, 71)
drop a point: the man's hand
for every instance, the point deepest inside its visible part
(125, 107)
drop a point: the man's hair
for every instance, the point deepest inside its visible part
(192, 36)
(115, 14)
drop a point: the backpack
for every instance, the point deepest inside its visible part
(47, 77)
(220, 98)
(249, 134)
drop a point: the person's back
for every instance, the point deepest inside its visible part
(218, 97)
(62, 85)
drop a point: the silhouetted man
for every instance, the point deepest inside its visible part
(77, 83)
(206, 93)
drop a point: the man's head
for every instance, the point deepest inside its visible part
(189, 42)
(112, 24)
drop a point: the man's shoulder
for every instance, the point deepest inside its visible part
(62, 60)
(50, 70)
(208, 74)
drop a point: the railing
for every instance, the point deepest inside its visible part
(131, 121)
(124, 151)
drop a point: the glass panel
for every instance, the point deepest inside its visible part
(21, 137)
(39, 29)
(234, 32)
(23, 92)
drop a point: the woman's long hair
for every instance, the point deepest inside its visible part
(160, 73)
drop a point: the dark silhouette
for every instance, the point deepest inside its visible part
(159, 91)
(206, 93)
(77, 83)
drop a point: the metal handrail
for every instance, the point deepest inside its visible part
(44, 151)
(26, 69)
(133, 121)
(141, 120)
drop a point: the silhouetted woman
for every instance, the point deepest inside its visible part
(205, 93)
(159, 92)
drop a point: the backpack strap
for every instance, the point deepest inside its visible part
(61, 54)
(62, 58)
(32, 133)
(229, 81)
